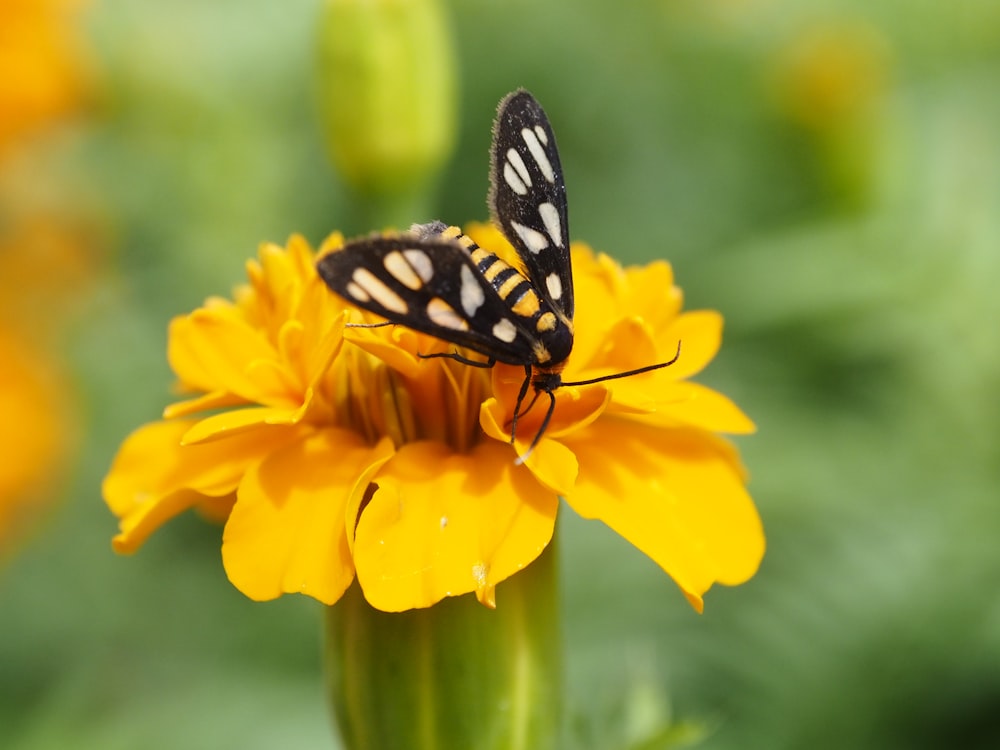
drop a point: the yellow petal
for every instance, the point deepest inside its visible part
(213, 400)
(575, 407)
(675, 495)
(152, 468)
(396, 347)
(598, 306)
(287, 531)
(699, 334)
(668, 404)
(627, 345)
(552, 463)
(212, 348)
(236, 421)
(135, 528)
(322, 343)
(652, 294)
(444, 524)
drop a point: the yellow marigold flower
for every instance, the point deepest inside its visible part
(337, 452)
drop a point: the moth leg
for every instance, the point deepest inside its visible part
(541, 430)
(520, 400)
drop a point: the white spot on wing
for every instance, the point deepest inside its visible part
(421, 263)
(554, 285)
(505, 330)
(472, 293)
(542, 135)
(511, 178)
(401, 270)
(377, 290)
(444, 315)
(550, 217)
(534, 241)
(357, 292)
(538, 154)
(518, 163)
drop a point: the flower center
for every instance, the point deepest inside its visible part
(440, 401)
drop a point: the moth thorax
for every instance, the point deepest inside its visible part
(557, 344)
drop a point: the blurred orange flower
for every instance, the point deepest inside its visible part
(44, 259)
(337, 453)
(41, 77)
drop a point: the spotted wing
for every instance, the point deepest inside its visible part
(429, 285)
(528, 197)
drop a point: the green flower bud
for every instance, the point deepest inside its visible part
(388, 92)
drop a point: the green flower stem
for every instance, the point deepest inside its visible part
(455, 675)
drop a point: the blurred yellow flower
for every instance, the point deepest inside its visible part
(831, 74)
(337, 452)
(41, 73)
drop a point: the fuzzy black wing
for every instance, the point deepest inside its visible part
(431, 286)
(528, 197)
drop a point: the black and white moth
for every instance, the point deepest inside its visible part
(436, 280)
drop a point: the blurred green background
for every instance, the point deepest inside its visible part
(827, 174)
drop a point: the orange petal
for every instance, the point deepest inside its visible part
(669, 404)
(287, 531)
(153, 468)
(675, 495)
(444, 524)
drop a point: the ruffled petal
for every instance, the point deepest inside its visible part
(674, 494)
(153, 477)
(444, 524)
(287, 532)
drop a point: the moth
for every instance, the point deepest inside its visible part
(436, 280)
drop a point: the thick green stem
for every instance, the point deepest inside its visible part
(455, 675)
